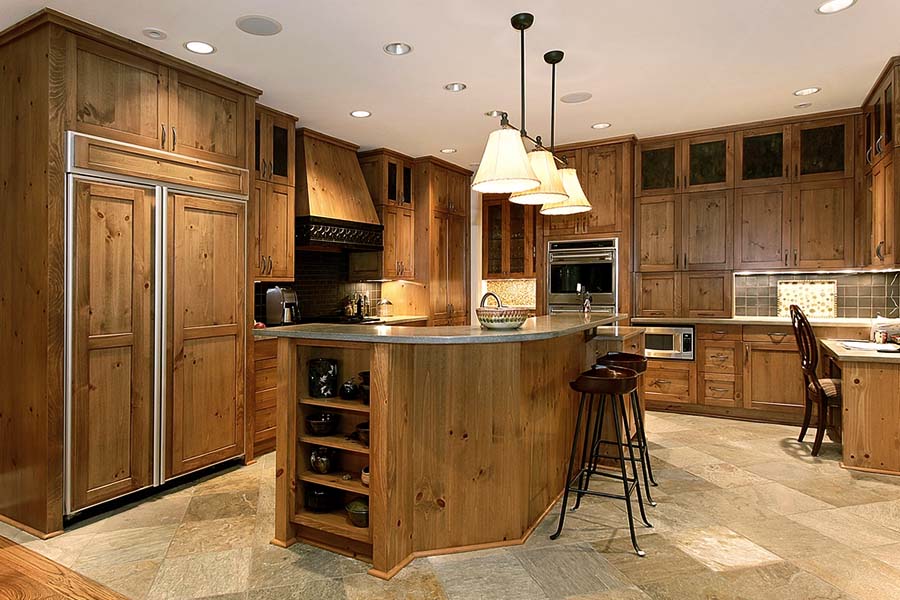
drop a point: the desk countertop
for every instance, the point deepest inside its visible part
(837, 350)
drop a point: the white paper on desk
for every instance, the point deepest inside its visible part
(871, 346)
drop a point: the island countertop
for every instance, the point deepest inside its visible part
(535, 328)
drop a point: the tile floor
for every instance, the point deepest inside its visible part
(744, 513)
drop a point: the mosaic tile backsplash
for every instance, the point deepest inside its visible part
(817, 297)
(513, 292)
(859, 295)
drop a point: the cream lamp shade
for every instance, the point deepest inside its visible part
(577, 201)
(551, 189)
(504, 167)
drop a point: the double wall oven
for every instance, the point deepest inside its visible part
(578, 266)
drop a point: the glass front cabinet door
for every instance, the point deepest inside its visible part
(763, 156)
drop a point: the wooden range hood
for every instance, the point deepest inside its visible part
(334, 207)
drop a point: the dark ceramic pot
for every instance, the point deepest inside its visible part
(364, 392)
(358, 512)
(319, 499)
(350, 390)
(364, 376)
(363, 431)
(321, 460)
(324, 423)
(323, 375)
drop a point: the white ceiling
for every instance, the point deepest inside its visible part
(653, 66)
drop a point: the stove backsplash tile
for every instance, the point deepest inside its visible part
(859, 295)
(321, 282)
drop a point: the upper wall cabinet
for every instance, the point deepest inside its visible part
(881, 122)
(275, 146)
(699, 163)
(128, 98)
(389, 177)
(508, 249)
(763, 156)
(822, 149)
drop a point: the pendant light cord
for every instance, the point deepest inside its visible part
(553, 109)
(522, 93)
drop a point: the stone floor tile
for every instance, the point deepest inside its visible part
(313, 589)
(725, 475)
(846, 528)
(889, 554)
(415, 582)
(133, 580)
(854, 573)
(736, 454)
(201, 575)
(569, 570)
(64, 549)
(271, 566)
(663, 559)
(126, 546)
(680, 457)
(496, 577)
(625, 593)
(153, 512)
(222, 506)
(836, 491)
(785, 537)
(886, 514)
(780, 498)
(240, 480)
(780, 580)
(708, 586)
(214, 535)
(722, 549)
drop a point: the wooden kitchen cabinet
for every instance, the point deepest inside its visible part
(670, 381)
(658, 233)
(265, 394)
(508, 246)
(658, 294)
(276, 141)
(763, 156)
(880, 118)
(762, 227)
(881, 208)
(772, 379)
(389, 177)
(112, 370)
(658, 168)
(698, 163)
(822, 224)
(205, 400)
(274, 231)
(822, 149)
(397, 260)
(687, 294)
(458, 269)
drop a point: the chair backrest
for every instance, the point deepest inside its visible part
(808, 345)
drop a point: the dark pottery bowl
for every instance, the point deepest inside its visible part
(362, 430)
(358, 512)
(364, 376)
(319, 499)
(349, 390)
(321, 460)
(324, 423)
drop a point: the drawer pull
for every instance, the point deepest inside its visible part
(719, 332)
(721, 356)
(661, 381)
(719, 389)
(706, 314)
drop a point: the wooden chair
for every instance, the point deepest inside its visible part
(825, 393)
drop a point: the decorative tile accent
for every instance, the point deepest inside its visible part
(513, 292)
(817, 298)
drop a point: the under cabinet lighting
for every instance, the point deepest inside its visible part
(834, 6)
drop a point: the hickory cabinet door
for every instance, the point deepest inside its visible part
(823, 224)
(205, 405)
(762, 227)
(706, 225)
(112, 370)
(658, 233)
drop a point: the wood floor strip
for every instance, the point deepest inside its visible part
(26, 575)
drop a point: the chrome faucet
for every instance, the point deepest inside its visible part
(585, 298)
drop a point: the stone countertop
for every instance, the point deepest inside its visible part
(836, 322)
(842, 354)
(397, 320)
(535, 328)
(617, 332)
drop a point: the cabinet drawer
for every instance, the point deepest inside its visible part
(720, 390)
(266, 398)
(719, 357)
(771, 334)
(719, 332)
(266, 378)
(670, 382)
(265, 419)
(263, 349)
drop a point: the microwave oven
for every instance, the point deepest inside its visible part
(669, 342)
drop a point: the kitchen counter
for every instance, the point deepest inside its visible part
(617, 333)
(836, 350)
(534, 329)
(396, 320)
(836, 322)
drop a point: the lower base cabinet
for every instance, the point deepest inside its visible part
(265, 395)
(670, 381)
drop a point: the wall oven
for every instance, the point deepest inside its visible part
(589, 264)
(669, 342)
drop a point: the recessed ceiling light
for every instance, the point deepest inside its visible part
(456, 86)
(448, 150)
(198, 47)
(360, 114)
(397, 48)
(154, 33)
(803, 105)
(494, 113)
(808, 91)
(834, 6)
(258, 25)
(576, 97)
(601, 126)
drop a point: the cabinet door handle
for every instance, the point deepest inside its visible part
(797, 171)
(162, 143)
(786, 258)
(869, 156)
(746, 353)
(174, 138)
(787, 171)
(879, 144)
(271, 266)
(878, 251)
(795, 257)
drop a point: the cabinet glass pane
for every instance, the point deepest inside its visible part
(658, 168)
(822, 150)
(279, 151)
(889, 114)
(869, 145)
(407, 185)
(708, 162)
(763, 156)
(256, 157)
(878, 127)
(392, 182)
(495, 239)
(516, 238)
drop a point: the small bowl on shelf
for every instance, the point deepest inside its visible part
(362, 431)
(323, 423)
(364, 476)
(500, 317)
(319, 499)
(358, 512)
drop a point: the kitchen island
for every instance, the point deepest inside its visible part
(470, 432)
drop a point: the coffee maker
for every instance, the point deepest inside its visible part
(281, 306)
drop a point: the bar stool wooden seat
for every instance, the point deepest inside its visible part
(638, 364)
(604, 386)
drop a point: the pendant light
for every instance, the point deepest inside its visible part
(505, 167)
(575, 201)
(551, 188)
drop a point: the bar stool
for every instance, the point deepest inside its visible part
(603, 385)
(638, 364)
